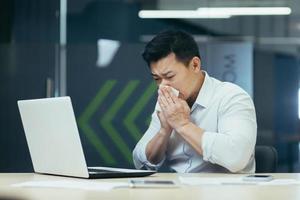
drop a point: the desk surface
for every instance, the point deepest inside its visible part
(230, 192)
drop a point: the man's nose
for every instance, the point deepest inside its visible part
(165, 82)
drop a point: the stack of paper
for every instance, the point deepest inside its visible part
(195, 181)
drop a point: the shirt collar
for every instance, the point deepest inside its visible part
(205, 93)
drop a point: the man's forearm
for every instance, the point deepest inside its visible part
(156, 148)
(192, 134)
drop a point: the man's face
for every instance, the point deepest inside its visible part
(171, 72)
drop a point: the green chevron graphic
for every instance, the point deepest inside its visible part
(136, 110)
(106, 121)
(83, 122)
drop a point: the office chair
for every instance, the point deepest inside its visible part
(266, 159)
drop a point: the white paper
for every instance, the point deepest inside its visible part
(175, 92)
(281, 182)
(196, 181)
(193, 181)
(69, 184)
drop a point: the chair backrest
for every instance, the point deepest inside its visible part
(266, 159)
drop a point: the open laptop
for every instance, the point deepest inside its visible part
(54, 143)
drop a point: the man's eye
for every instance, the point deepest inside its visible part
(169, 77)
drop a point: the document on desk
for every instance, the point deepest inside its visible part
(70, 184)
(196, 181)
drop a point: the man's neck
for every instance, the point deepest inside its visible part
(197, 89)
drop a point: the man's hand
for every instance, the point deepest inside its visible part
(175, 110)
(165, 127)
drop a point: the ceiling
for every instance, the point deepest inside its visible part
(281, 32)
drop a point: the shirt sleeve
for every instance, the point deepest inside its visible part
(139, 153)
(233, 144)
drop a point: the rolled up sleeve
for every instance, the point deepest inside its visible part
(139, 153)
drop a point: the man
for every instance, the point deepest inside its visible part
(209, 127)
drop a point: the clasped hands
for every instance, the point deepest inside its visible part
(175, 112)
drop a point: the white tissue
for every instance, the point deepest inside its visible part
(175, 92)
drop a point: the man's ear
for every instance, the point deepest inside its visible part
(196, 64)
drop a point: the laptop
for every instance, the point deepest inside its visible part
(54, 143)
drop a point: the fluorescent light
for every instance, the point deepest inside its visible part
(167, 14)
(214, 12)
(246, 10)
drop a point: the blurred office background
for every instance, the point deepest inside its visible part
(91, 50)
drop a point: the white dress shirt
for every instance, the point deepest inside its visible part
(227, 115)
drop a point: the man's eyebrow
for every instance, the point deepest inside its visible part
(153, 74)
(166, 73)
(163, 74)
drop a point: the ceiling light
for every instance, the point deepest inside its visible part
(214, 12)
(246, 10)
(167, 14)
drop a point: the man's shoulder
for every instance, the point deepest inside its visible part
(228, 88)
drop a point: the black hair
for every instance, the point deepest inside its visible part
(178, 42)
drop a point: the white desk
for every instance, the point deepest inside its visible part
(224, 192)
